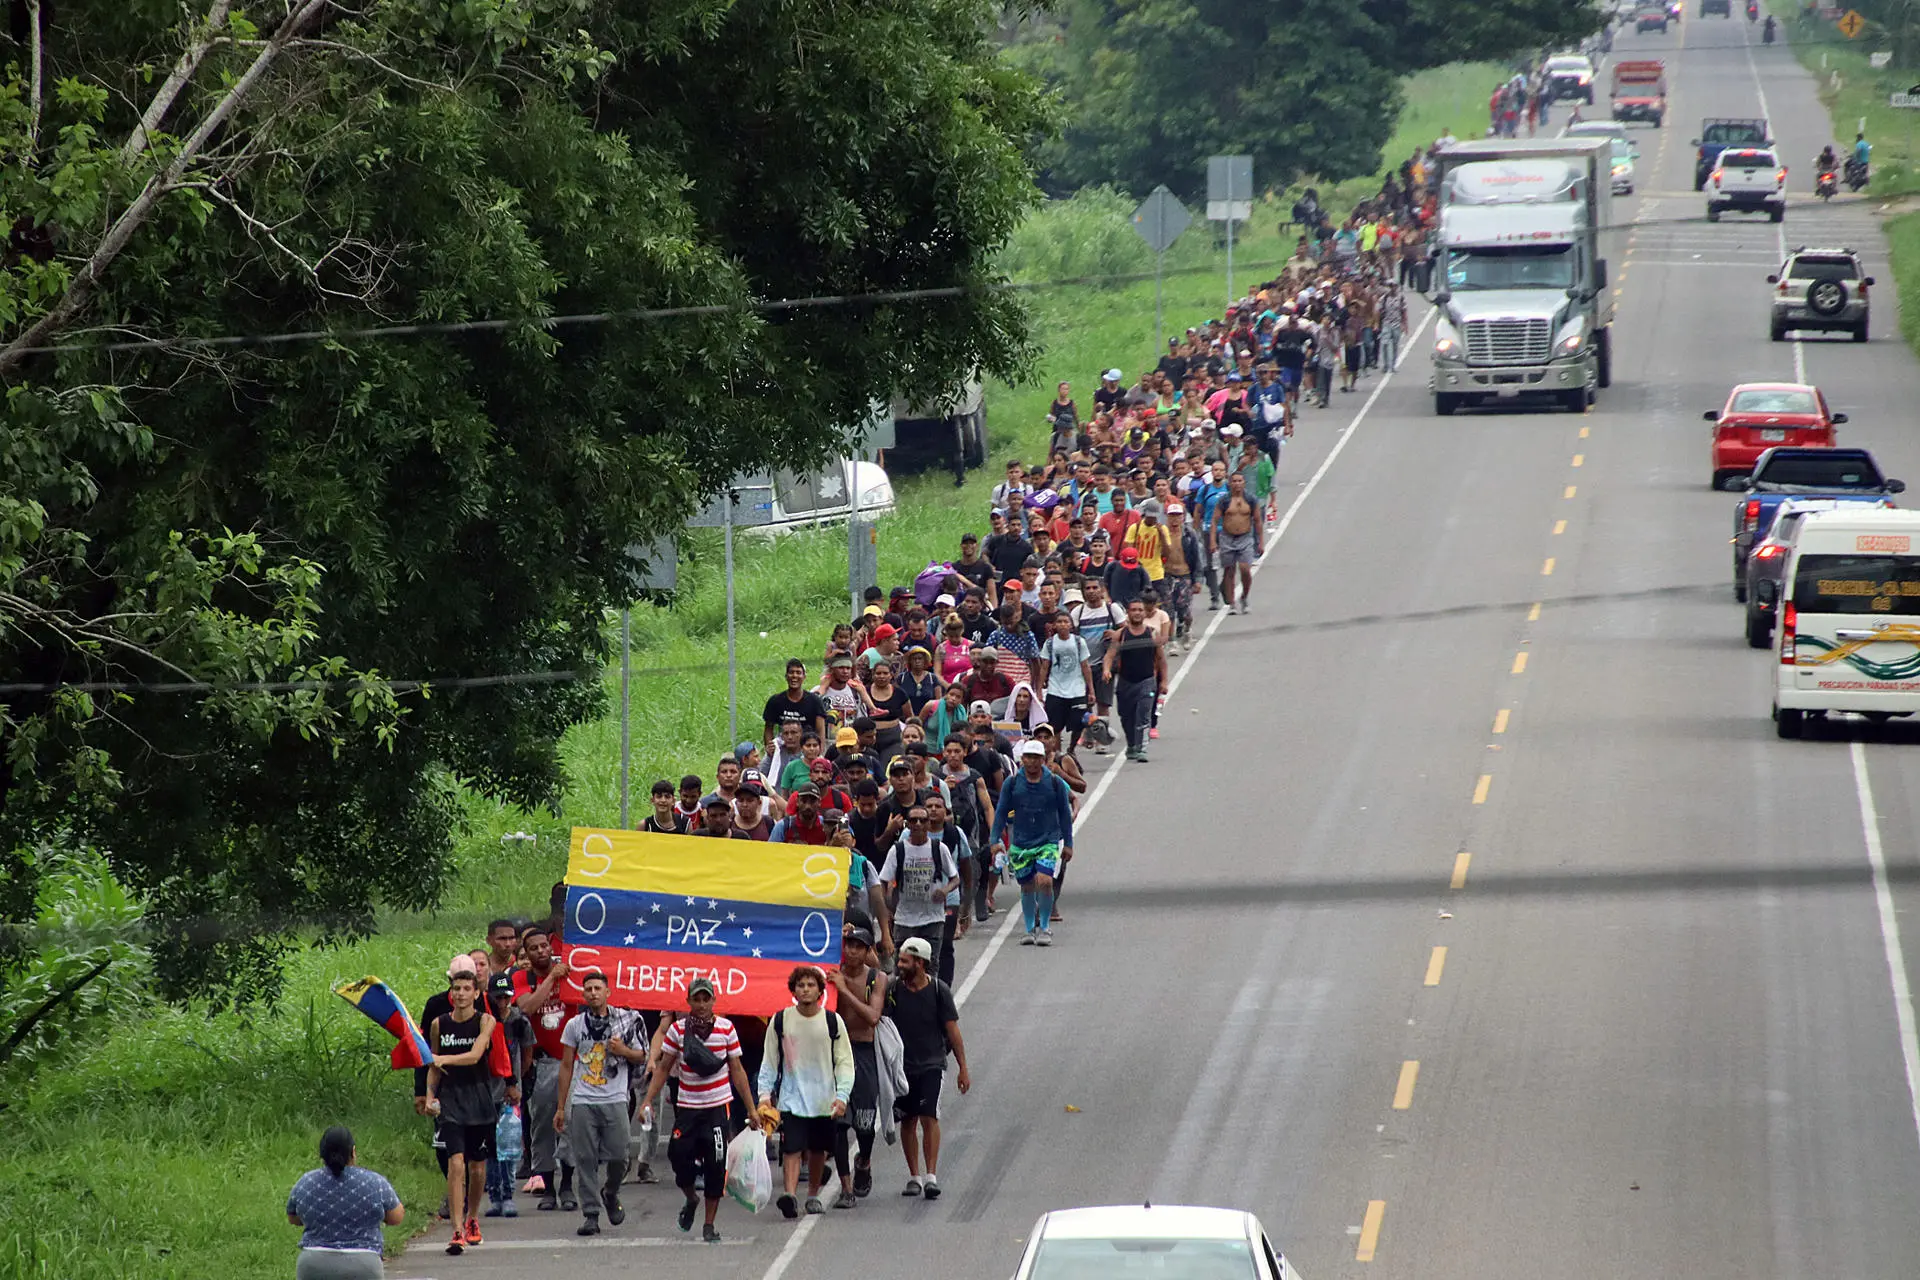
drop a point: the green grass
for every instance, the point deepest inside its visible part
(168, 1150)
(1863, 93)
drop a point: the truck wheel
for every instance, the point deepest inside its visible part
(1603, 345)
(1444, 404)
(1713, 213)
(1860, 332)
(1776, 215)
(1787, 721)
(1699, 181)
(1759, 630)
(1575, 400)
(1777, 331)
(1656, 122)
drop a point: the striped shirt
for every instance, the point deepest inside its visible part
(715, 1090)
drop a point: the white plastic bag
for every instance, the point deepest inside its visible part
(749, 1176)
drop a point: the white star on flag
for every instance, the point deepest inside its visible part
(731, 917)
(656, 908)
(747, 932)
(689, 901)
(629, 939)
(712, 905)
(756, 953)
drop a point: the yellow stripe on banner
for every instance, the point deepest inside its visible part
(747, 870)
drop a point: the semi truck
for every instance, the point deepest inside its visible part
(1520, 274)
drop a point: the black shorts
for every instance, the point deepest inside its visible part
(474, 1141)
(806, 1133)
(922, 1097)
(699, 1145)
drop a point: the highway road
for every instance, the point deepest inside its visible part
(1469, 922)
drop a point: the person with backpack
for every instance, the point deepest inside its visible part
(806, 1073)
(924, 870)
(1035, 819)
(860, 992)
(701, 1055)
(600, 1046)
(923, 1011)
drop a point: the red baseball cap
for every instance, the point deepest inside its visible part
(1130, 557)
(885, 631)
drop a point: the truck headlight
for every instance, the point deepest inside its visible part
(1571, 343)
(1445, 346)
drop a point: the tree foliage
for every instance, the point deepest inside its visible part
(302, 524)
(1306, 87)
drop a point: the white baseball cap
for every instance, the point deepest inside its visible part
(1032, 747)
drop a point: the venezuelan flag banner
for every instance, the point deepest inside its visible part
(376, 999)
(653, 912)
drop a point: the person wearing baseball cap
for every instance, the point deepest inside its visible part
(1034, 821)
(707, 1079)
(1184, 564)
(1126, 580)
(924, 1012)
(1148, 540)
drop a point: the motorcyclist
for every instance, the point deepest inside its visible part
(1862, 149)
(1827, 161)
(1753, 11)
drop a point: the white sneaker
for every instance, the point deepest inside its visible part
(1028, 941)
(1045, 939)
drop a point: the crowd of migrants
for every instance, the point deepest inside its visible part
(939, 740)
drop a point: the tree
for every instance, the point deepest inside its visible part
(298, 524)
(1154, 87)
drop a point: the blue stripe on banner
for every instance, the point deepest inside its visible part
(696, 926)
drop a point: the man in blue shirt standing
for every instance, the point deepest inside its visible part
(1039, 837)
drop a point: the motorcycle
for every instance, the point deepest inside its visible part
(1753, 13)
(1766, 31)
(1856, 175)
(1826, 184)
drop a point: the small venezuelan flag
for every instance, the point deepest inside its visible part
(376, 999)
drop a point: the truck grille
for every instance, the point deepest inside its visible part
(1508, 341)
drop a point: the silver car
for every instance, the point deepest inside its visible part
(1172, 1241)
(1822, 289)
(1624, 151)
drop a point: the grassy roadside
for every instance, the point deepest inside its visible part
(1862, 93)
(166, 1153)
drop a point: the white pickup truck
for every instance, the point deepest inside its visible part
(1747, 180)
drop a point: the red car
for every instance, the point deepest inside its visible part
(1760, 415)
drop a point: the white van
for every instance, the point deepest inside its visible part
(1849, 632)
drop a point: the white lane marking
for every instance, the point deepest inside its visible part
(1779, 228)
(613, 1242)
(1889, 933)
(779, 1266)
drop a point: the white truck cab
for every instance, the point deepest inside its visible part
(1849, 624)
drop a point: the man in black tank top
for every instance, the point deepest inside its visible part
(460, 1093)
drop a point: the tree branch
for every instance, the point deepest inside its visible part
(183, 71)
(87, 278)
(47, 1006)
(38, 90)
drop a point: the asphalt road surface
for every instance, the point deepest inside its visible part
(1485, 783)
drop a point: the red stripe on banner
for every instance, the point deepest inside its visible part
(643, 979)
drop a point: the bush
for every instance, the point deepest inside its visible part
(1089, 234)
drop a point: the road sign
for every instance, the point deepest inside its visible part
(653, 566)
(1160, 219)
(1909, 100)
(752, 505)
(1852, 24)
(1879, 60)
(1229, 188)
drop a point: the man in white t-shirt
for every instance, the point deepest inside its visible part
(702, 1103)
(602, 1044)
(1066, 679)
(925, 872)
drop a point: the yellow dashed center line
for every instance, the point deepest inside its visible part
(1570, 492)
(1370, 1230)
(1403, 1092)
(1461, 861)
(1519, 662)
(1559, 527)
(1435, 964)
(1481, 788)
(1547, 568)
(1500, 720)
(1533, 615)
(1583, 432)
(1579, 459)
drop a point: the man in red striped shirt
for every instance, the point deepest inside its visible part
(701, 1103)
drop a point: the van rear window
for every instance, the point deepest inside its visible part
(1857, 584)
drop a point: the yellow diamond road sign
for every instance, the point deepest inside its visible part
(1851, 24)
